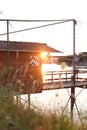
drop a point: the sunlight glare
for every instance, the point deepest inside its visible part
(44, 55)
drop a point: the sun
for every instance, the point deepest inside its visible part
(44, 55)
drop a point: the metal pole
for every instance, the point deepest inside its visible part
(8, 58)
(8, 53)
(73, 87)
(36, 20)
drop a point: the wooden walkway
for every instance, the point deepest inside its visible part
(64, 79)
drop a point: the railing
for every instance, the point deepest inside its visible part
(63, 76)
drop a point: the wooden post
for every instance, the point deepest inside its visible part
(73, 86)
(29, 92)
(52, 77)
(66, 75)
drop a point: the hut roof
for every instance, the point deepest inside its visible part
(26, 47)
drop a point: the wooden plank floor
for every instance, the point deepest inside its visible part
(61, 85)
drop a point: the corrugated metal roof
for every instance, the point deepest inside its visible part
(26, 47)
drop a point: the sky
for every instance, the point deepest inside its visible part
(59, 36)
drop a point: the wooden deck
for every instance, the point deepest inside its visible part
(62, 85)
(60, 79)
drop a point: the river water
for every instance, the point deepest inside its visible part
(57, 99)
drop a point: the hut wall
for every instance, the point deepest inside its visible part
(26, 67)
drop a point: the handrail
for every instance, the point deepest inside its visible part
(64, 76)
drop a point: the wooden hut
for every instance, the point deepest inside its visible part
(21, 65)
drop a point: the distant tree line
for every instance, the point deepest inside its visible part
(81, 57)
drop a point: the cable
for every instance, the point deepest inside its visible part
(79, 92)
(68, 92)
(65, 105)
(37, 27)
(78, 113)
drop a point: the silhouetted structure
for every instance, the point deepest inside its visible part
(23, 66)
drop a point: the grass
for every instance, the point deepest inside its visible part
(14, 116)
(20, 118)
